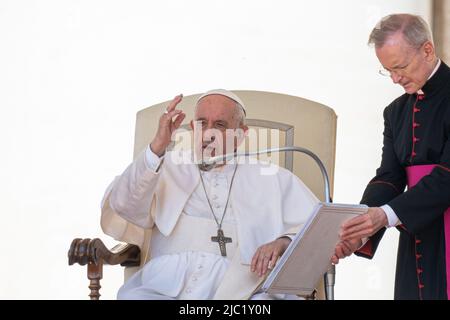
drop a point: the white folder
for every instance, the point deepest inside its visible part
(308, 256)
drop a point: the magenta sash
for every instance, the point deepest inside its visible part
(414, 174)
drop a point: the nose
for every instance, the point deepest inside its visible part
(209, 135)
(395, 77)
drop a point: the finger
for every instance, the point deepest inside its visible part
(254, 261)
(354, 244)
(166, 118)
(357, 235)
(346, 249)
(275, 255)
(345, 244)
(259, 266)
(334, 259)
(179, 119)
(273, 261)
(355, 221)
(338, 252)
(357, 228)
(174, 102)
(266, 261)
(172, 114)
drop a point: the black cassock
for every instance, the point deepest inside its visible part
(417, 132)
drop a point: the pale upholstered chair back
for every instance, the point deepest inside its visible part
(292, 121)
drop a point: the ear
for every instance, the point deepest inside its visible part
(428, 48)
(245, 128)
(242, 135)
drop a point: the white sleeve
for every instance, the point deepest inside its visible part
(393, 220)
(152, 160)
(132, 193)
(288, 235)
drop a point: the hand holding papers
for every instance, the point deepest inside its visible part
(308, 256)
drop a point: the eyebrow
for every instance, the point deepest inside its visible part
(397, 66)
(217, 121)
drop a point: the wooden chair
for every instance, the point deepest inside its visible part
(291, 120)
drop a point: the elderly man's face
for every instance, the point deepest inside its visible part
(218, 124)
(409, 67)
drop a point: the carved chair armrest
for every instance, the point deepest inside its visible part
(94, 253)
(84, 251)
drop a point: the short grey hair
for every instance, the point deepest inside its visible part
(414, 29)
(240, 114)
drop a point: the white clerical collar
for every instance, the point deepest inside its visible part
(435, 69)
(432, 74)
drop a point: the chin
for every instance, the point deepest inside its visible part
(410, 89)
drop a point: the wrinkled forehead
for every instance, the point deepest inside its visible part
(395, 51)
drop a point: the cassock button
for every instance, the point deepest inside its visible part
(418, 256)
(416, 109)
(419, 271)
(414, 154)
(415, 124)
(421, 97)
(421, 286)
(418, 241)
(415, 139)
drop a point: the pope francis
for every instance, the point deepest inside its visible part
(206, 231)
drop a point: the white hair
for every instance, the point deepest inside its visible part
(414, 29)
(240, 114)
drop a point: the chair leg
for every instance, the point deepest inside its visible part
(95, 274)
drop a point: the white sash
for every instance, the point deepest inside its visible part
(193, 234)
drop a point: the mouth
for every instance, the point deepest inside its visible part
(409, 87)
(406, 86)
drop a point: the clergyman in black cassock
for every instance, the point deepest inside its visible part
(411, 189)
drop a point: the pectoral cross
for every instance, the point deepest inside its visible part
(222, 240)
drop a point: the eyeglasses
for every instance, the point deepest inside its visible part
(398, 70)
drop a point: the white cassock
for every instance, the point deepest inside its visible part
(165, 212)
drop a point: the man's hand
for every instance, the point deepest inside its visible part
(344, 249)
(168, 123)
(267, 255)
(364, 225)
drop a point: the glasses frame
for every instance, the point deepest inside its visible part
(399, 71)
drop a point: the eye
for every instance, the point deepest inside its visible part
(401, 68)
(220, 125)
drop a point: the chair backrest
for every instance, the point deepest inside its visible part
(291, 120)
